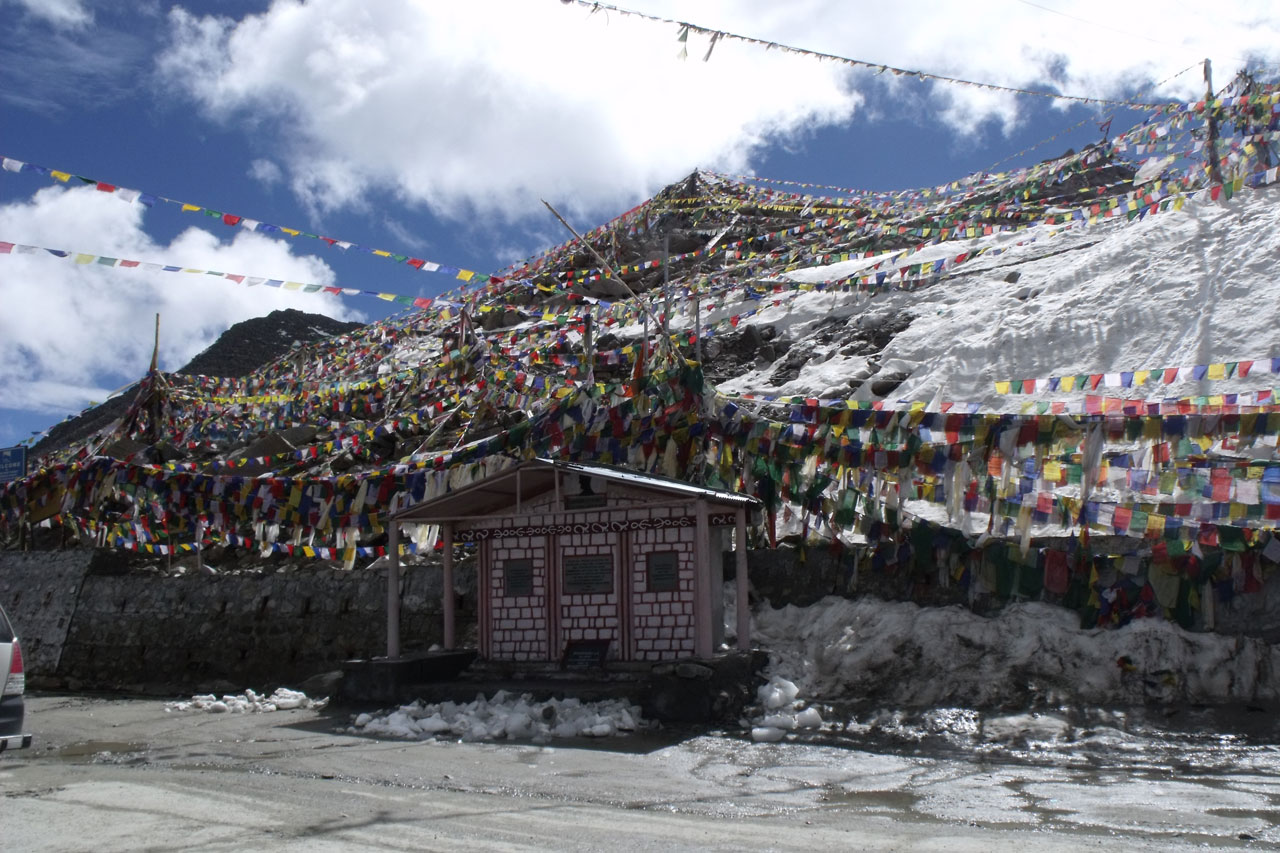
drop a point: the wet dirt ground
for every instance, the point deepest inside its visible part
(124, 774)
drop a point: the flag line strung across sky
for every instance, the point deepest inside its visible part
(717, 34)
(148, 199)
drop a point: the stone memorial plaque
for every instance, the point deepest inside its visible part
(517, 577)
(585, 654)
(588, 574)
(664, 571)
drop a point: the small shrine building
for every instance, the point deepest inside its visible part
(578, 559)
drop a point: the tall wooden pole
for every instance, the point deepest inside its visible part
(155, 349)
(599, 258)
(666, 286)
(153, 405)
(588, 350)
(1211, 117)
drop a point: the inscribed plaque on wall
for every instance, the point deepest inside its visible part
(589, 574)
(664, 571)
(517, 577)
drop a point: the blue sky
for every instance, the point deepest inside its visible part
(433, 130)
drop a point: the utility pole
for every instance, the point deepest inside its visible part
(1211, 117)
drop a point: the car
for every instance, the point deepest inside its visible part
(13, 683)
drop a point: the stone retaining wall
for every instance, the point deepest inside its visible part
(89, 621)
(87, 624)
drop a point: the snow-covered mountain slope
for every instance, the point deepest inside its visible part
(1177, 288)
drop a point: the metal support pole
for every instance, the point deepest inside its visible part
(702, 582)
(448, 594)
(393, 592)
(740, 558)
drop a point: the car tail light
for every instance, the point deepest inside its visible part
(16, 682)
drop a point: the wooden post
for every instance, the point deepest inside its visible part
(449, 603)
(155, 349)
(701, 585)
(666, 289)
(740, 560)
(393, 591)
(153, 405)
(600, 258)
(588, 353)
(697, 326)
(1211, 118)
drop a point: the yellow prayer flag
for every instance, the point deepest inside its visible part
(291, 232)
(191, 208)
(381, 252)
(1140, 377)
(1002, 387)
(1066, 383)
(1053, 471)
(466, 275)
(1217, 371)
(292, 285)
(61, 176)
(85, 259)
(1155, 524)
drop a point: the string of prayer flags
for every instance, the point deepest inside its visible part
(1214, 371)
(130, 195)
(87, 259)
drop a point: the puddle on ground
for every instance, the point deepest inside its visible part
(898, 802)
(103, 752)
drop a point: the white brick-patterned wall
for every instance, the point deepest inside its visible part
(520, 623)
(591, 616)
(662, 622)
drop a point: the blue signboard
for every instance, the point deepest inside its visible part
(13, 463)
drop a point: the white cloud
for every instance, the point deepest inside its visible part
(487, 107)
(69, 331)
(61, 13)
(266, 172)
(490, 107)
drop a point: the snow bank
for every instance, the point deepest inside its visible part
(249, 702)
(505, 716)
(1029, 655)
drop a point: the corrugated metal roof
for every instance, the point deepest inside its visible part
(653, 481)
(497, 493)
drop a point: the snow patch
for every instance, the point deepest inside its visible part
(504, 717)
(249, 702)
